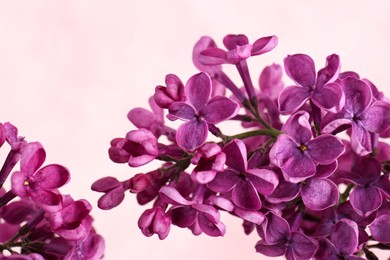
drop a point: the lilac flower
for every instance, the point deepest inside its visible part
(320, 90)
(155, 221)
(199, 111)
(244, 183)
(380, 228)
(239, 49)
(279, 240)
(209, 159)
(364, 116)
(114, 192)
(73, 221)
(344, 240)
(90, 247)
(199, 217)
(39, 184)
(367, 197)
(138, 148)
(297, 154)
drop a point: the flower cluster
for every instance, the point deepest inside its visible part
(315, 185)
(37, 221)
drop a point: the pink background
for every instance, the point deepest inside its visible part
(71, 70)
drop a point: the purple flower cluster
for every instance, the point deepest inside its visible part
(37, 221)
(315, 185)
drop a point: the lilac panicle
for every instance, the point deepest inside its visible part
(198, 111)
(361, 113)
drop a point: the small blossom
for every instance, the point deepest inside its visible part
(155, 221)
(114, 192)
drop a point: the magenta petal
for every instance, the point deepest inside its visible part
(175, 87)
(267, 249)
(292, 98)
(330, 72)
(265, 181)
(380, 228)
(325, 149)
(33, 156)
(172, 196)
(298, 127)
(324, 171)
(204, 43)
(111, 199)
(219, 109)
(264, 45)
(52, 176)
(209, 227)
(181, 110)
(301, 69)
(105, 184)
(192, 134)
(276, 229)
(45, 197)
(329, 97)
(245, 196)
(360, 139)
(252, 216)
(368, 171)
(183, 216)
(236, 156)
(270, 81)
(212, 56)
(344, 236)
(302, 246)
(224, 181)
(198, 90)
(231, 41)
(284, 192)
(376, 118)
(357, 94)
(17, 181)
(332, 122)
(220, 202)
(365, 200)
(141, 117)
(319, 194)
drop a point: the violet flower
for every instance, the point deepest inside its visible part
(155, 221)
(367, 197)
(138, 148)
(279, 240)
(244, 183)
(319, 89)
(199, 111)
(297, 154)
(363, 115)
(39, 184)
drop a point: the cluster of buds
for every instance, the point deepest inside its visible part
(36, 220)
(315, 185)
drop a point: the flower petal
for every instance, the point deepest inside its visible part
(204, 43)
(302, 246)
(219, 109)
(276, 229)
(192, 134)
(376, 118)
(380, 228)
(357, 94)
(252, 216)
(33, 156)
(344, 236)
(360, 139)
(181, 110)
(269, 249)
(52, 176)
(212, 56)
(332, 122)
(264, 44)
(245, 196)
(265, 181)
(330, 72)
(298, 127)
(231, 41)
(325, 149)
(172, 196)
(301, 69)
(329, 97)
(270, 81)
(198, 90)
(209, 227)
(224, 181)
(236, 156)
(292, 98)
(182, 216)
(319, 194)
(365, 200)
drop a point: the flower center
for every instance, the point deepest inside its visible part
(303, 147)
(26, 183)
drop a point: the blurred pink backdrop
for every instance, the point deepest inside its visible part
(71, 70)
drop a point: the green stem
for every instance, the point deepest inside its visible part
(270, 132)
